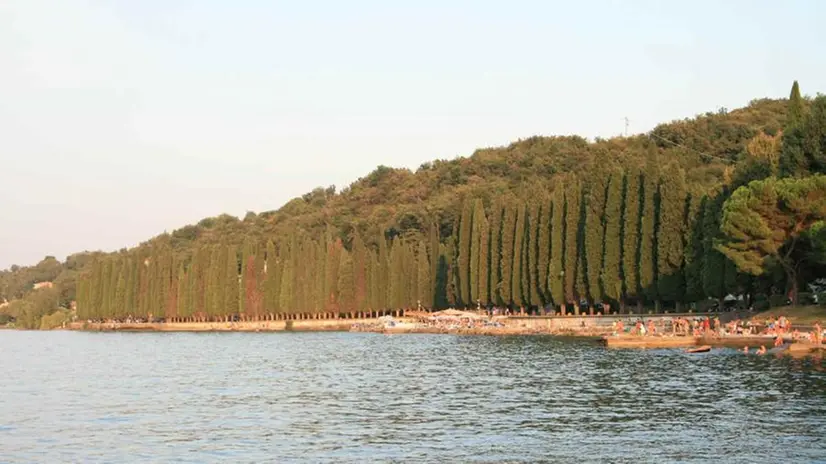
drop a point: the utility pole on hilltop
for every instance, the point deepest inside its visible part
(626, 126)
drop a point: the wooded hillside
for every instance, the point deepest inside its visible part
(546, 222)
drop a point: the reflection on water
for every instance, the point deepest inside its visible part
(341, 397)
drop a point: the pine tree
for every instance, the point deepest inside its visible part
(476, 236)
(465, 238)
(670, 236)
(612, 242)
(648, 224)
(518, 240)
(631, 234)
(507, 255)
(573, 208)
(556, 265)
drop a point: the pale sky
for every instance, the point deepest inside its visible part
(121, 119)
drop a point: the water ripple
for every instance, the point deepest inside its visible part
(340, 397)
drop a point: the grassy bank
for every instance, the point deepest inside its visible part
(798, 315)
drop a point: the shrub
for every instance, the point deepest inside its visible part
(805, 298)
(776, 301)
(54, 320)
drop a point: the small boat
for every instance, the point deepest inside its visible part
(699, 349)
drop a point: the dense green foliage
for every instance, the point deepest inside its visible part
(547, 222)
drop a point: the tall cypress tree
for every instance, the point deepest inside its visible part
(373, 282)
(167, 281)
(531, 275)
(670, 236)
(632, 205)
(214, 294)
(423, 278)
(271, 282)
(120, 291)
(507, 255)
(231, 281)
(594, 233)
(430, 301)
(572, 216)
(484, 262)
(556, 266)
(333, 264)
(495, 251)
(793, 160)
(286, 296)
(476, 236)
(180, 309)
(110, 283)
(611, 279)
(398, 283)
(465, 238)
(383, 275)
(445, 291)
(694, 249)
(543, 251)
(796, 107)
(359, 258)
(346, 282)
(128, 304)
(518, 240)
(648, 223)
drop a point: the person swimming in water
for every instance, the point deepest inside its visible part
(762, 350)
(746, 349)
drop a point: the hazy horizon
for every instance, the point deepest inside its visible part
(123, 119)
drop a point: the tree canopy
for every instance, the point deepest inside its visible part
(545, 222)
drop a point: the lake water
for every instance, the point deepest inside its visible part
(342, 397)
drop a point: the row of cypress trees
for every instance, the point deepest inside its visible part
(296, 275)
(635, 235)
(622, 236)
